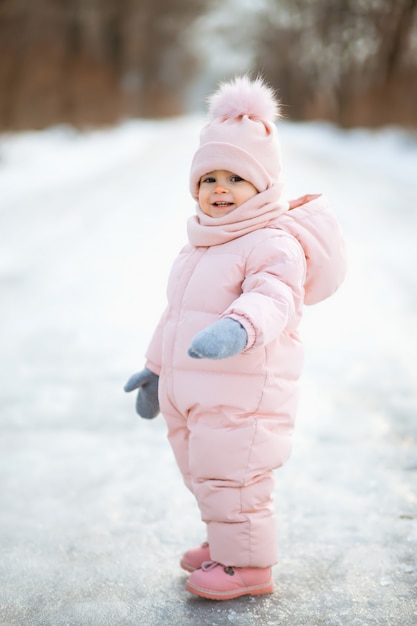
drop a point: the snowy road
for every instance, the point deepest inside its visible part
(93, 514)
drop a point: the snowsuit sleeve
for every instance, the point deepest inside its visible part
(272, 290)
(154, 351)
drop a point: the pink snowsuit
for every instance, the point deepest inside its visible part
(230, 421)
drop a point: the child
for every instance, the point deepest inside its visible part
(224, 362)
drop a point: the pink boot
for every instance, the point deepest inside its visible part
(217, 582)
(195, 557)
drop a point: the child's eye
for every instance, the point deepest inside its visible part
(208, 179)
(236, 179)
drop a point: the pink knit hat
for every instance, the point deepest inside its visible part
(240, 136)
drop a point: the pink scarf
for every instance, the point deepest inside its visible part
(260, 211)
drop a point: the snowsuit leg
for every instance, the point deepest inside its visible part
(227, 460)
(178, 437)
(231, 460)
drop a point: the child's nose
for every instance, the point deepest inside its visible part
(220, 189)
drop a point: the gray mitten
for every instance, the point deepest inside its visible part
(147, 403)
(219, 340)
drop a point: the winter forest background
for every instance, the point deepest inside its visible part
(94, 62)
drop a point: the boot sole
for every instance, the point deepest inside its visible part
(187, 567)
(256, 590)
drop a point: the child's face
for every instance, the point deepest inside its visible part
(221, 192)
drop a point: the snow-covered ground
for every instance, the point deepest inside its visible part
(93, 514)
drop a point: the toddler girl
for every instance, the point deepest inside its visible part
(225, 359)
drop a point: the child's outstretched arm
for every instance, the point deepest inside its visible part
(272, 291)
(147, 380)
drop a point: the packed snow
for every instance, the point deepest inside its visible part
(93, 513)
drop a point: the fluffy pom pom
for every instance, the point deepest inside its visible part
(243, 96)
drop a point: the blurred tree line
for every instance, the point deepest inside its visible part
(92, 61)
(95, 61)
(351, 61)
